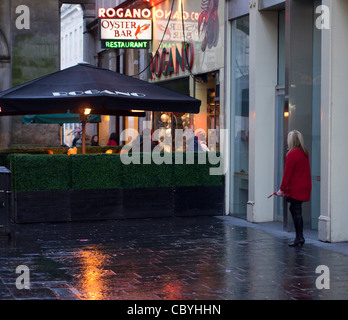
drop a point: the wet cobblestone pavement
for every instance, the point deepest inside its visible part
(203, 258)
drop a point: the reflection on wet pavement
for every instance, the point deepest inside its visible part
(91, 275)
(164, 259)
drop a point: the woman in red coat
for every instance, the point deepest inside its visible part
(296, 183)
(112, 140)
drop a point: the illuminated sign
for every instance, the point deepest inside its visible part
(122, 13)
(125, 29)
(109, 44)
(171, 60)
(165, 14)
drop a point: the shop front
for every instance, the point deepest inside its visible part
(274, 88)
(189, 37)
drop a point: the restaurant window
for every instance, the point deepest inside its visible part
(213, 115)
(206, 89)
(168, 122)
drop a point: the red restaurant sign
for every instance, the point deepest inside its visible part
(124, 14)
(171, 60)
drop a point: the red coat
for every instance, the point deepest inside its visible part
(297, 182)
(111, 143)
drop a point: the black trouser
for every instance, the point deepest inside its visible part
(296, 212)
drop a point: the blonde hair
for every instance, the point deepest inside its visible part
(295, 140)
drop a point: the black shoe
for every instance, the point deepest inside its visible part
(297, 242)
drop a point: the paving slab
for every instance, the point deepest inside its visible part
(196, 258)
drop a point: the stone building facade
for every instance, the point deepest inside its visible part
(29, 48)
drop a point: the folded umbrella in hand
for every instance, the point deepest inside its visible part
(275, 194)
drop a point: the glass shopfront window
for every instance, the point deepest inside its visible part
(280, 116)
(189, 58)
(303, 89)
(167, 122)
(316, 114)
(240, 117)
(205, 124)
(281, 48)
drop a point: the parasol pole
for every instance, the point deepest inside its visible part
(83, 136)
(61, 133)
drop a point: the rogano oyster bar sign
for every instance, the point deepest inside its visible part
(125, 28)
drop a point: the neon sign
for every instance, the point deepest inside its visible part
(121, 13)
(125, 29)
(124, 44)
(165, 14)
(171, 60)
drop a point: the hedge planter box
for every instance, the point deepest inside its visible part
(96, 204)
(60, 188)
(86, 205)
(199, 201)
(41, 206)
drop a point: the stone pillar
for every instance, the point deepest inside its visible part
(263, 80)
(89, 45)
(333, 220)
(35, 53)
(34, 49)
(5, 67)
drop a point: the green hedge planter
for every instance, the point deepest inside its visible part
(99, 186)
(90, 172)
(40, 172)
(104, 171)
